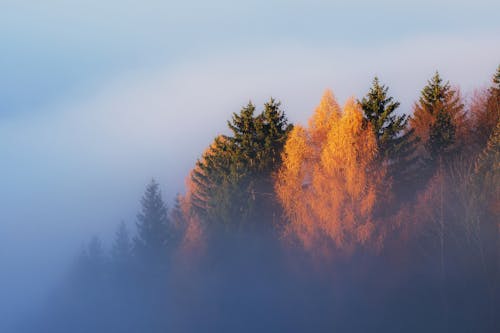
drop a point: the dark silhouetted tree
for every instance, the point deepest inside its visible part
(121, 250)
(395, 141)
(439, 121)
(232, 181)
(485, 112)
(152, 224)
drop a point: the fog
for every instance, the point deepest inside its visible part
(96, 99)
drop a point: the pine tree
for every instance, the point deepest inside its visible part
(496, 80)
(121, 250)
(487, 172)
(396, 143)
(485, 111)
(90, 269)
(441, 135)
(438, 120)
(274, 128)
(378, 109)
(212, 178)
(95, 254)
(152, 224)
(178, 221)
(233, 179)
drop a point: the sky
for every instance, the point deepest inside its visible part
(98, 97)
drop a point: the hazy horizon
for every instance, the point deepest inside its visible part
(98, 98)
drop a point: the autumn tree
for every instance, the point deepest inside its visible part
(330, 180)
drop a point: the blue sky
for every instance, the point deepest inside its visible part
(97, 97)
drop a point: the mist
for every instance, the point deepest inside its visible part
(97, 99)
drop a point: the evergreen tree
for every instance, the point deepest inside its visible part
(441, 134)
(121, 250)
(487, 171)
(178, 222)
(152, 224)
(95, 256)
(272, 135)
(234, 175)
(496, 80)
(378, 110)
(438, 120)
(211, 177)
(395, 142)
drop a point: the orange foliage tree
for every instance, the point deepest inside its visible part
(330, 182)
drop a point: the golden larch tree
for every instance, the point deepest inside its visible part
(330, 179)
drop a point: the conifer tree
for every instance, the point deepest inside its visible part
(441, 134)
(487, 172)
(378, 110)
(396, 143)
(212, 178)
(234, 176)
(486, 112)
(273, 133)
(438, 120)
(496, 80)
(152, 224)
(121, 250)
(90, 269)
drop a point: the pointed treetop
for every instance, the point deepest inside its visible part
(122, 245)
(496, 78)
(327, 111)
(353, 113)
(152, 222)
(435, 91)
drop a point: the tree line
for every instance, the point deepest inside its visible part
(415, 193)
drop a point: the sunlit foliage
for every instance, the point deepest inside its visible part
(330, 180)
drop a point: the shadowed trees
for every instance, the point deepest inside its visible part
(438, 121)
(395, 141)
(334, 188)
(232, 181)
(153, 224)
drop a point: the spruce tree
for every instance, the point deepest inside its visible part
(437, 120)
(234, 175)
(441, 135)
(396, 143)
(121, 250)
(178, 223)
(496, 79)
(150, 243)
(378, 110)
(274, 131)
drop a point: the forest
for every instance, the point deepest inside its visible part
(367, 218)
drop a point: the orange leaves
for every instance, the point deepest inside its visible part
(329, 181)
(326, 113)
